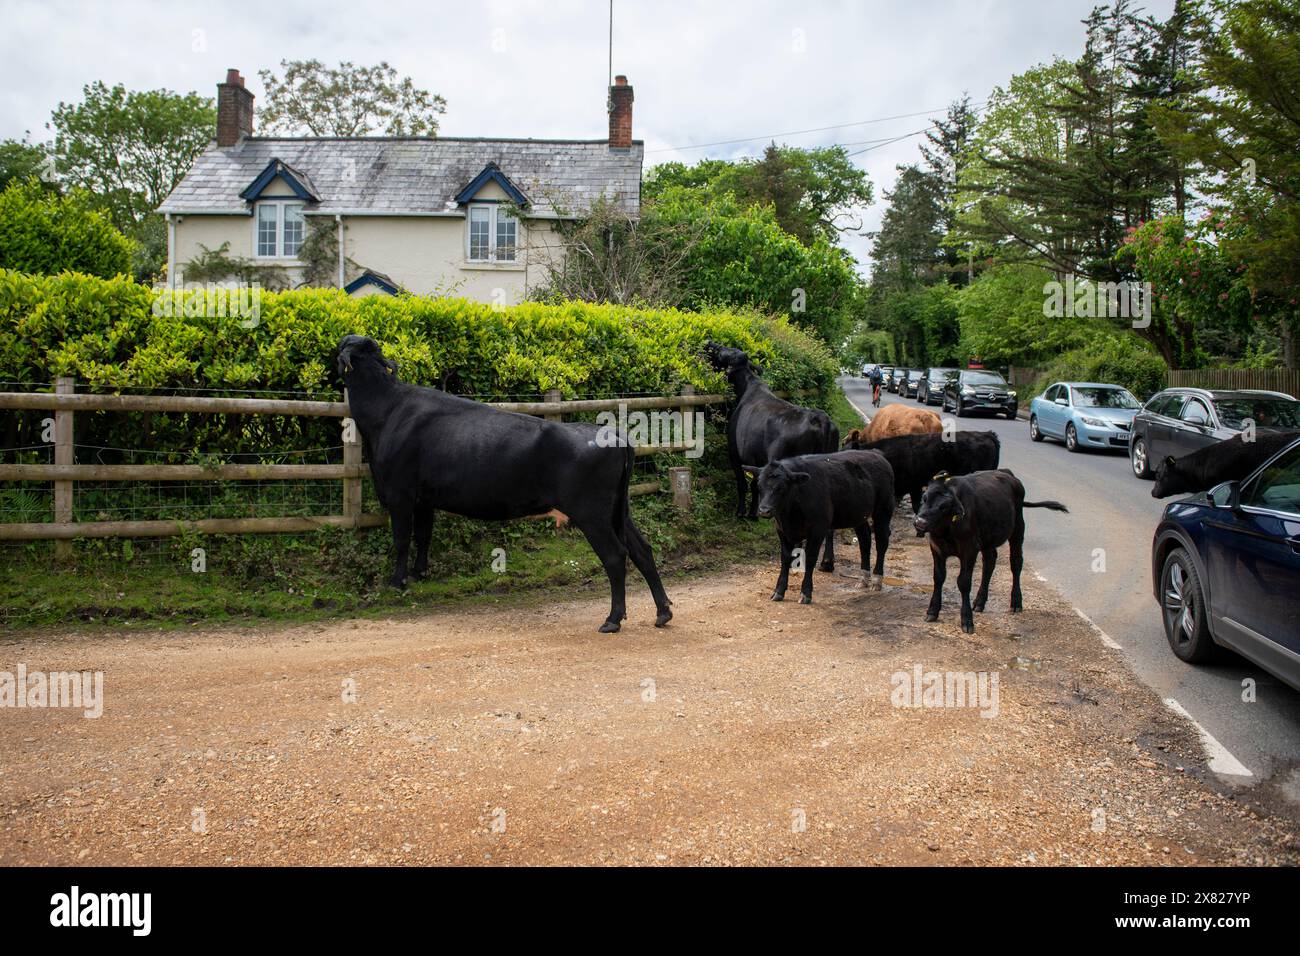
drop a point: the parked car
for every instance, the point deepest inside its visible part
(909, 383)
(1181, 420)
(972, 390)
(1084, 415)
(867, 370)
(1225, 569)
(891, 382)
(885, 372)
(930, 391)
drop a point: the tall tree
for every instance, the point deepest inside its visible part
(129, 149)
(346, 100)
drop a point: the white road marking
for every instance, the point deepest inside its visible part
(1105, 638)
(1221, 759)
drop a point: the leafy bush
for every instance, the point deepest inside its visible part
(1119, 358)
(42, 232)
(1002, 320)
(116, 333)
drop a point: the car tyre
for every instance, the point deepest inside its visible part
(1034, 433)
(1071, 437)
(1183, 610)
(961, 409)
(1139, 459)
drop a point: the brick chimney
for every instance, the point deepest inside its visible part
(620, 114)
(234, 110)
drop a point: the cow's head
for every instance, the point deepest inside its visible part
(776, 483)
(360, 355)
(940, 505)
(724, 358)
(1171, 480)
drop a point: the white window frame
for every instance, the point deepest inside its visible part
(280, 206)
(495, 209)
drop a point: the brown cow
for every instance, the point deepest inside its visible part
(893, 420)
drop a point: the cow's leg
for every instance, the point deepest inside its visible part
(1017, 561)
(742, 488)
(880, 525)
(613, 556)
(813, 545)
(753, 496)
(423, 520)
(964, 575)
(863, 531)
(990, 558)
(940, 575)
(783, 579)
(644, 559)
(401, 516)
(828, 561)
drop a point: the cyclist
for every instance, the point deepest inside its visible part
(877, 379)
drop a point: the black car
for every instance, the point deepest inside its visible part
(979, 390)
(891, 379)
(908, 384)
(1178, 421)
(930, 391)
(1225, 569)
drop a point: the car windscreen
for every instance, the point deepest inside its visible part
(983, 378)
(1090, 397)
(939, 374)
(1236, 413)
(914, 374)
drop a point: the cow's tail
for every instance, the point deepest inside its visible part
(832, 436)
(622, 503)
(1054, 505)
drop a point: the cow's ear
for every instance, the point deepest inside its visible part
(752, 469)
(391, 365)
(800, 477)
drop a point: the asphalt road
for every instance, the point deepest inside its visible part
(1255, 745)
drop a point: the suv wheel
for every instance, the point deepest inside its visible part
(1182, 606)
(1138, 458)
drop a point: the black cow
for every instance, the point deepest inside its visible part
(764, 428)
(429, 450)
(1230, 460)
(812, 495)
(974, 515)
(918, 458)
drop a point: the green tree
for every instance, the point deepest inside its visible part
(130, 149)
(44, 233)
(21, 160)
(346, 100)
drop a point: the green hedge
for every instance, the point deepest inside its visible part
(118, 334)
(43, 232)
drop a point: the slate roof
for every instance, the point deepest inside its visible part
(394, 175)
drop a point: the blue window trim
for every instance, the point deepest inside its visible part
(276, 169)
(369, 278)
(491, 172)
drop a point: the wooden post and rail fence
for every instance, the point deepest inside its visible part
(64, 401)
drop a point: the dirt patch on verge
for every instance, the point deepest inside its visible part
(747, 732)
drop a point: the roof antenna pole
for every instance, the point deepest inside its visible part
(610, 82)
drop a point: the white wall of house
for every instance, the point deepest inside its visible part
(427, 255)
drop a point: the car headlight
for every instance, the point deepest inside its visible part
(1094, 422)
(967, 390)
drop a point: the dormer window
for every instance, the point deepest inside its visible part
(492, 233)
(280, 229)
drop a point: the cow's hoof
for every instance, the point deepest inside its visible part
(805, 599)
(968, 627)
(664, 616)
(877, 582)
(398, 583)
(931, 616)
(977, 608)
(778, 595)
(610, 627)
(1017, 609)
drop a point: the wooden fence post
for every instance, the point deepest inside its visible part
(351, 456)
(554, 396)
(63, 455)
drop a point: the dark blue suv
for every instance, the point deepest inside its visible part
(1225, 566)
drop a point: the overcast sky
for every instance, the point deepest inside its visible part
(703, 72)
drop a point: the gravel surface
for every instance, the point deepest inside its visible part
(746, 732)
